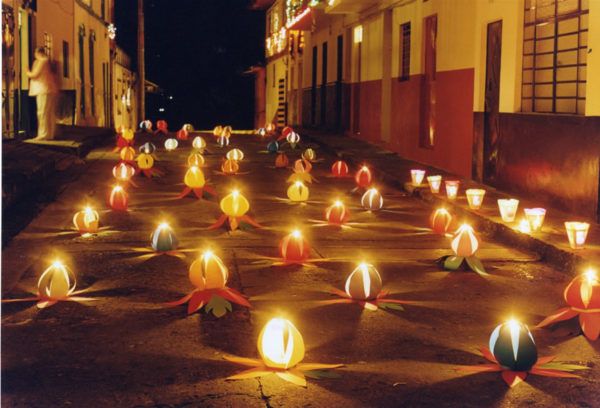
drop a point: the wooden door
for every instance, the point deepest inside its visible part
(491, 133)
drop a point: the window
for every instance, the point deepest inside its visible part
(81, 71)
(404, 73)
(554, 56)
(92, 40)
(65, 59)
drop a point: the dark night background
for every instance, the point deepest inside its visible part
(196, 51)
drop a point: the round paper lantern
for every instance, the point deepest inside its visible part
(227, 131)
(162, 125)
(302, 166)
(293, 248)
(194, 178)
(583, 292)
(372, 200)
(337, 214)
(261, 132)
(309, 155)
(286, 131)
(145, 161)
(298, 192)
(273, 147)
(123, 172)
(234, 204)
(270, 127)
(293, 138)
(441, 220)
(127, 153)
(188, 127)
(364, 283)
(199, 143)
(118, 199)
(230, 166)
(208, 272)
(57, 282)
(340, 169)
(218, 130)
(164, 239)
(281, 160)
(86, 221)
(127, 134)
(171, 144)
(147, 148)
(195, 159)
(280, 344)
(146, 125)
(465, 241)
(363, 177)
(182, 134)
(235, 154)
(513, 346)
(223, 141)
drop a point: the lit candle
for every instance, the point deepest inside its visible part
(452, 189)
(508, 209)
(577, 233)
(417, 177)
(194, 178)
(434, 183)
(234, 204)
(475, 198)
(535, 218)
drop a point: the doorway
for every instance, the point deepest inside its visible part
(491, 128)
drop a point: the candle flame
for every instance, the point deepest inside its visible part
(591, 276)
(296, 234)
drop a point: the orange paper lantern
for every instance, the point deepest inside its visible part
(294, 248)
(465, 243)
(281, 160)
(208, 272)
(364, 283)
(127, 153)
(86, 221)
(337, 214)
(118, 199)
(363, 177)
(440, 221)
(340, 169)
(230, 166)
(195, 159)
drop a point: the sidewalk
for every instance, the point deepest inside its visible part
(551, 243)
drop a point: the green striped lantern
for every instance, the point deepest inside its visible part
(513, 346)
(164, 239)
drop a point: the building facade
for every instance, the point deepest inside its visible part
(79, 37)
(501, 91)
(125, 112)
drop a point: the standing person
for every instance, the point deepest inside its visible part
(42, 85)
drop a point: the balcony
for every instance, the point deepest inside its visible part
(349, 6)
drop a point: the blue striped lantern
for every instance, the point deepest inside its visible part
(513, 346)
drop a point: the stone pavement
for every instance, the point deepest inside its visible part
(124, 349)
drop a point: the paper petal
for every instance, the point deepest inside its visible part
(552, 373)
(184, 193)
(179, 302)
(293, 376)
(29, 299)
(453, 262)
(251, 373)
(218, 306)
(234, 296)
(45, 303)
(339, 293)
(219, 222)
(544, 360)
(481, 368)
(487, 354)
(317, 366)
(590, 324)
(513, 378)
(196, 302)
(475, 265)
(250, 221)
(565, 313)
(252, 362)
(233, 223)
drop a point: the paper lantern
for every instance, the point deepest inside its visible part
(273, 147)
(57, 282)
(298, 192)
(195, 159)
(302, 166)
(434, 183)
(230, 166)
(364, 283)
(145, 161)
(182, 134)
(86, 221)
(583, 292)
(417, 177)
(199, 143)
(118, 199)
(127, 134)
(535, 218)
(465, 243)
(234, 204)
(188, 127)
(208, 272)
(194, 177)
(163, 239)
(281, 161)
(293, 248)
(475, 198)
(218, 130)
(146, 125)
(452, 189)
(441, 220)
(162, 125)
(127, 153)
(340, 169)
(286, 131)
(337, 214)
(171, 144)
(372, 200)
(577, 233)
(293, 138)
(508, 209)
(123, 172)
(147, 148)
(280, 344)
(235, 154)
(261, 132)
(270, 127)
(363, 177)
(223, 141)
(309, 155)
(513, 346)
(227, 131)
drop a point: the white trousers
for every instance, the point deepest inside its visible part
(46, 114)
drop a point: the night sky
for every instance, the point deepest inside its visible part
(197, 50)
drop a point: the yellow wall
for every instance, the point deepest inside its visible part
(278, 66)
(592, 91)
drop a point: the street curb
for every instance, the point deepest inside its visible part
(564, 261)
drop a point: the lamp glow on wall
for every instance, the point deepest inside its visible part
(234, 206)
(208, 274)
(582, 295)
(294, 248)
(118, 199)
(577, 233)
(298, 192)
(535, 218)
(163, 239)
(281, 348)
(340, 169)
(372, 200)
(435, 183)
(337, 214)
(417, 176)
(452, 189)
(171, 144)
(475, 198)
(464, 244)
(508, 209)
(86, 221)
